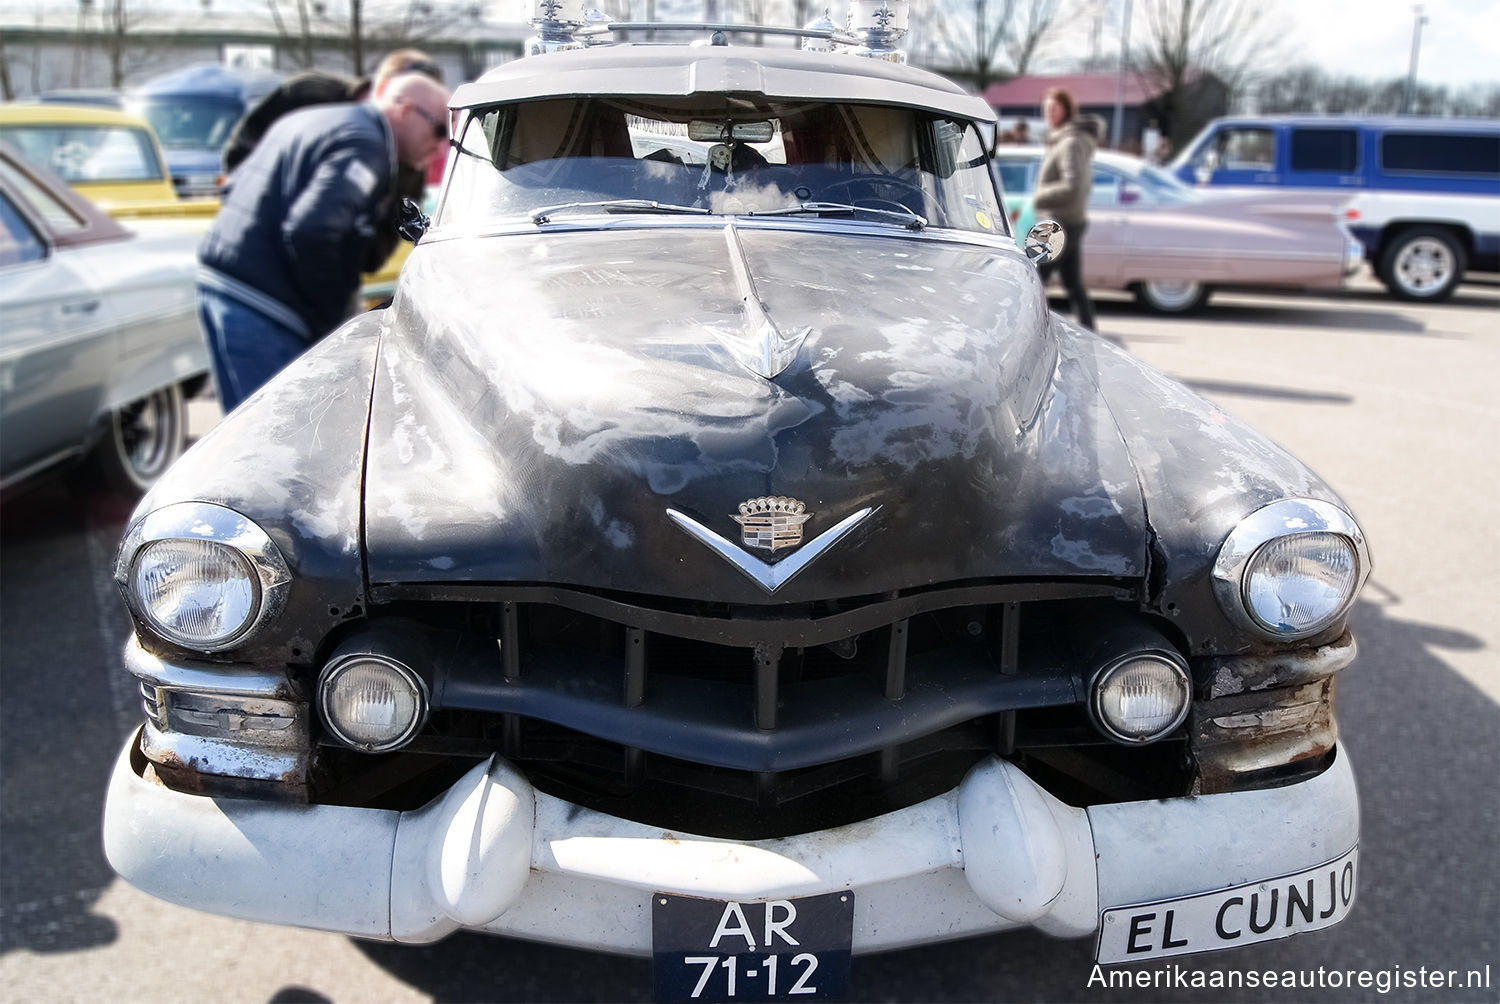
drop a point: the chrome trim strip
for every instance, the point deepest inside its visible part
(208, 678)
(1282, 518)
(766, 575)
(207, 755)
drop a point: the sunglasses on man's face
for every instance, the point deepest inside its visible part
(439, 124)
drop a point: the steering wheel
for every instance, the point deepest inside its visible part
(876, 182)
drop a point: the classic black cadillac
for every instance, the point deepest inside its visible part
(718, 552)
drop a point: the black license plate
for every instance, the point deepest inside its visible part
(782, 950)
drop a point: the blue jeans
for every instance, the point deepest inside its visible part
(246, 347)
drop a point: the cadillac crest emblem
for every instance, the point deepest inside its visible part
(772, 523)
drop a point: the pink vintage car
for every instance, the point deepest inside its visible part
(1172, 244)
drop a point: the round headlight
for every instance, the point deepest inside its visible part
(1141, 698)
(372, 703)
(1291, 569)
(1295, 586)
(195, 593)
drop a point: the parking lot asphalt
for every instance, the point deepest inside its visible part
(1394, 404)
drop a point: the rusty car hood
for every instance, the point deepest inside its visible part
(543, 400)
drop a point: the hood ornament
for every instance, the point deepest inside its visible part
(772, 523)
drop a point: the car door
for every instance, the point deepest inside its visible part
(56, 346)
(1106, 243)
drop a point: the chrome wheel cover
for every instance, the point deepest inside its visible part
(146, 434)
(1424, 266)
(1173, 294)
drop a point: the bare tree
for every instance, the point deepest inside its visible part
(1181, 40)
(974, 34)
(988, 40)
(6, 92)
(118, 21)
(299, 45)
(1309, 89)
(1034, 21)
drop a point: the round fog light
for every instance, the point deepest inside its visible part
(372, 703)
(1141, 698)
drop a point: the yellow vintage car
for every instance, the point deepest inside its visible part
(113, 159)
(110, 157)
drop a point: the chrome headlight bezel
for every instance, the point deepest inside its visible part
(1180, 675)
(328, 680)
(1284, 518)
(206, 521)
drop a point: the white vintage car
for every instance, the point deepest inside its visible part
(100, 344)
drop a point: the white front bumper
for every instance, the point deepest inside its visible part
(493, 854)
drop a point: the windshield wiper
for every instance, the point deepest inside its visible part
(543, 214)
(911, 220)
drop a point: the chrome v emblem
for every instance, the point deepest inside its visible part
(766, 575)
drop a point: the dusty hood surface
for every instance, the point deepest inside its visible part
(543, 400)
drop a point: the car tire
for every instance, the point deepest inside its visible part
(1421, 263)
(140, 441)
(1172, 296)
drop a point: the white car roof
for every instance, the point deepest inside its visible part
(682, 70)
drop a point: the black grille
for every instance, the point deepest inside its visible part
(784, 717)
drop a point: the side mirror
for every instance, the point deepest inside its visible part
(413, 222)
(1045, 241)
(1205, 165)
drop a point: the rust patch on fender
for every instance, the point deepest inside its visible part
(1236, 740)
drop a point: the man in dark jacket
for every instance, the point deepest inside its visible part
(316, 87)
(282, 259)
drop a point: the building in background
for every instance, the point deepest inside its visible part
(101, 45)
(1146, 105)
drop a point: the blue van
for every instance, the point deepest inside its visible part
(1421, 194)
(1460, 156)
(192, 111)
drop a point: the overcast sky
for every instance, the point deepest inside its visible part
(1372, 38)
(1366, 38)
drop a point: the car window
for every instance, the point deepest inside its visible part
(56, 214)
(1332, 150)
(1158, 187)
(719, 155)
(1246, 149)
(1441, 153)
(190, 123)
(84, 153)
(18, 242)
(1015, 176)
(1105, 190)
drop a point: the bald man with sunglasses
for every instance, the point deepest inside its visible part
(280, 264)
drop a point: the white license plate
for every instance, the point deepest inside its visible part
(1243, 915)
(782, 950)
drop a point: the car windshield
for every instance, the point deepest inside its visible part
(87, 153)
(722, 155)
(190, 123)
(1162, 187)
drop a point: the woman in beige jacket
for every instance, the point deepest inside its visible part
(1062, 192)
